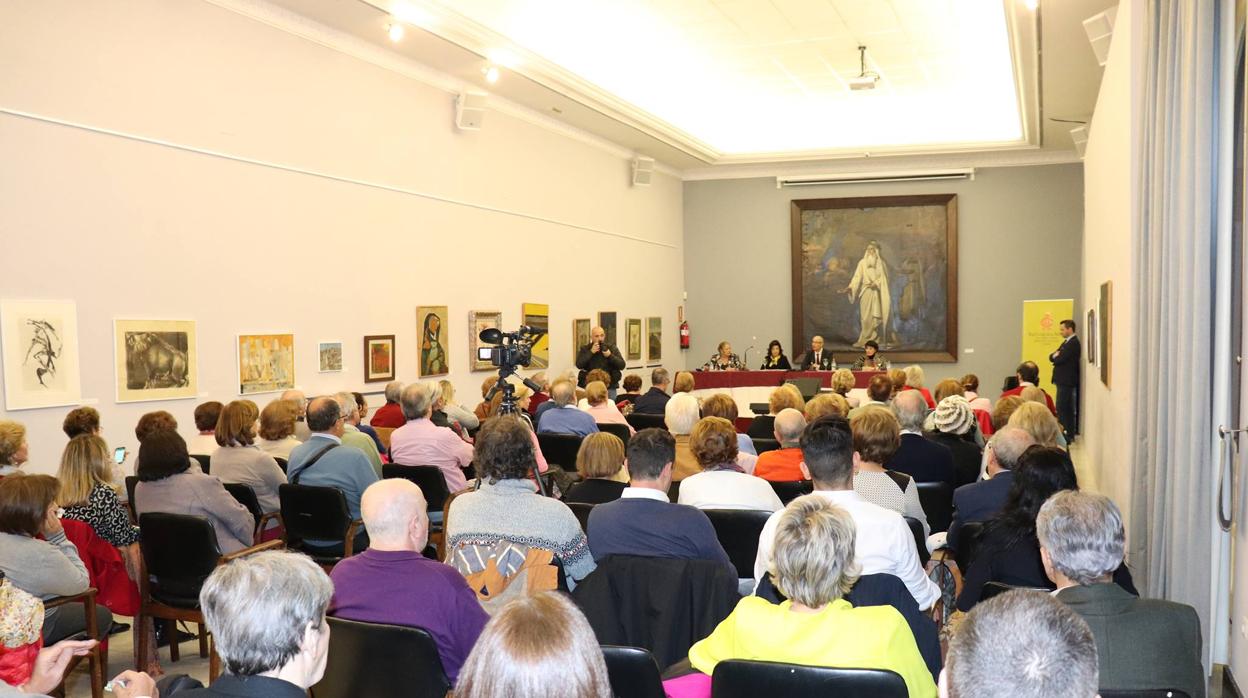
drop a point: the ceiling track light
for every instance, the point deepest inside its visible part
(395, 30)
(865, 79)
(491, 73)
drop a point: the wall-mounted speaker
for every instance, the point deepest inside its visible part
(1100, 30)
(643, 171)
(1079, 135)
(469, 111)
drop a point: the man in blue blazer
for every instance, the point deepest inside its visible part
(917, 456)
(980, 501)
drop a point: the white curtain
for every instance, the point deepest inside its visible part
(1181, 313)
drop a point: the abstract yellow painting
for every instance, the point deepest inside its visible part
(266, 363)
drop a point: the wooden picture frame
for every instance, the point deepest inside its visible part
(479, 320)
(378, 358)
(580, 334)
(609, 322)
(836, 277)
(654, 338)
(1105, 310)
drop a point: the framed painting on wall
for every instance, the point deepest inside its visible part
(40, 354)
(266, 363)
(1105, 340)
(378, 358)
(879, 268)
(155, 360)
(537, 316)
(433, 342)
(329, 356)
(479, 320)
(633, 351)
(1090, 330)
(654, 338)
(607, 321)
(580, 334)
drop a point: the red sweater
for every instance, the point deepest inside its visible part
(389, 416)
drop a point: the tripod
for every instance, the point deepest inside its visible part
(508, 406)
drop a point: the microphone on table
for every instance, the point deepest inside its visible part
(746, 360)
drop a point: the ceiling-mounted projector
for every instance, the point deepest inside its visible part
(864, 80)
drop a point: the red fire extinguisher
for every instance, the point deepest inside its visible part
(684, 330)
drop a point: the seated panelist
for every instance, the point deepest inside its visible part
(724, 360)
(775, 359)
(817, 359)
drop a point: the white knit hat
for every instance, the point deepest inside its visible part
(954, 415)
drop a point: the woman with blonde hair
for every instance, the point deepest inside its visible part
(86, 494)
(915, 380)
(784, 397)
(600, 462)
(14, 450)
(1036, 419)
(599, 406)
(457, 412)
(538, 646)
(238, 459)
(683, 382)
(843, 381)
(722, 405)
(826, 404)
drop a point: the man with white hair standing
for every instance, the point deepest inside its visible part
(351, 434)
(784, 463)
(390, 415)
(917, 456)
(302, 432)
(392, 582)
(1143, 644)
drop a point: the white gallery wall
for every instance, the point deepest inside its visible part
(180, 160)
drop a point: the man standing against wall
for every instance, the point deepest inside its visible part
(1066, 378)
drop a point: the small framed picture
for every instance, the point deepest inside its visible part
(329, 356)
(633, 350)
(479, 320)
(607, 321)
(580, 334)
(378, 358)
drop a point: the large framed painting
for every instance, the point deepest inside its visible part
(266, 363)
(537, 316)
(433, 349)
(479, 320)
(633, 351)
(879, 268)
(155, 360)
(378, 358)
(654, 338)
(609, 321)
(580, 334)
(40, 354)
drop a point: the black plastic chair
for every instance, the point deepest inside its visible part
(247, 497)
(620, 430)
(318, 513)
(633, 672)
(739, 678)
(281, 462)
(132, 481)
(641, 421)
(428, 478)
(920, 541)
(375, 659)
(991, 589)
(738, 531)
(581, 509)
(673, 492)
(968, 544)
(937, 501)
(560, 449)
(788, 491)
(1127, 693)
(763, 445)
(205, 463)
(763, 427)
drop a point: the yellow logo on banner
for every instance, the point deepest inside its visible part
(1042, 335)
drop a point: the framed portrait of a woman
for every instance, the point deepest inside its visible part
(431, 341)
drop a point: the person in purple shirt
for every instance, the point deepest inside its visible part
(393, 583)
(643, 521)
(565, 417)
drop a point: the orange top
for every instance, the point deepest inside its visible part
(781, 465)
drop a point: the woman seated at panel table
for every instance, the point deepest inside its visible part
(724, 360)
(775, 359)
(871, 359)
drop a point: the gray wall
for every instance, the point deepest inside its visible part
(1019, 238)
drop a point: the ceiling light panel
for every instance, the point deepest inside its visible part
(772, 76)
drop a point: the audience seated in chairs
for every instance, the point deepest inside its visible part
(352, 437)
(204, 442)
(602, 409)
(464, 417)
(267, 616)
(508, 512)
(679, 415)
(14, 449)
(322, 461)
(421, 442)
(1038, 421)
(722, 405)
(917, 456)
(642, 522)
(168, 483)
(562, 417)
(1008, 551)
(393, 583)
(915, 380)
(1141, 644)
(884, 544)
(1028, 376)
(879, 394)
(277, 429)
(782, 464)
(390, 415)
(784, 397)
(538, 646)
(980, 501)
(723, 484)
(600, 463)
(47, 567)
(361, 408)
(843, 381)
(632, 390)
(87, 495)
(540, 396)
(1003, 410)
(654, 400)
(876, 438)
(814, 566)
(239, 461)
(1023, 645)
(302, 432)
(81, 420)
(953, 425)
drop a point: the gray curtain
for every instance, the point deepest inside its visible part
(1181, 211)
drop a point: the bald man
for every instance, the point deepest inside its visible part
(817, 359)
(599, 354)
(785, 463)
(302, 432)
(392, 582)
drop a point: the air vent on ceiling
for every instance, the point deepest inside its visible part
(867, 177)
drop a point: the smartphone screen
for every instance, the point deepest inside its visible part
(119, 454)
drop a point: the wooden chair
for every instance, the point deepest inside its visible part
(98, 657)
(384, 433)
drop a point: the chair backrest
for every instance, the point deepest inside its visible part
(428, 478)
(788, 491)
(937, 501)
(632, 672)
(560, 449)
(673, 491)
(968, 544)
(205, 463)
(920, 541)
(763, 426)
(738, 532)
(132, 481)
(281, 462)
(1127, 693)
(375, 659)
(641, 420)
(739, 678)
(180, 551)
(245, 496)
(620, 430)
(581, 509)
(313, 512)
(763, 445)
(991, 589)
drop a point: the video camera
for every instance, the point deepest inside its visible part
(509, 349)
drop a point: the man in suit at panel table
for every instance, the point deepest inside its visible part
(980, 501)
(1066, 378)
(817, 359)
(917, 456)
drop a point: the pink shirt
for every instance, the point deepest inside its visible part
(608, 413)
(421, 442)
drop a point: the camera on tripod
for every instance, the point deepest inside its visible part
(510, 349)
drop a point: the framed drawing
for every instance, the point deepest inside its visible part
(580, 334)
(1105, 340)
(155, 360)
(632, 351)
(40, 354)
(654, 338)
(266, 363)
(882, 268)
(378, 358)
(1090, 332)
(537, 316)
(607, 321)
(330, 354)
(479, 320)
(433, 342)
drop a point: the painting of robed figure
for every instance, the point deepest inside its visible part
(877, 269)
